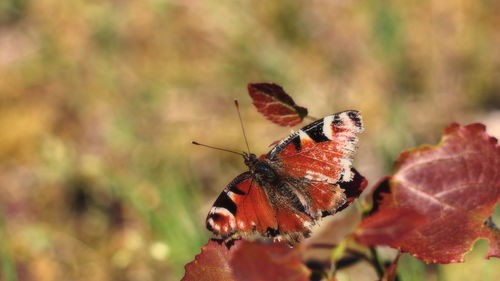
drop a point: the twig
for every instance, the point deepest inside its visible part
(376, 262)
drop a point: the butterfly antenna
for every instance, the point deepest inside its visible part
(218, 148)
(241, 123)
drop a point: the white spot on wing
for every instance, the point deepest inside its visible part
(348, 176)
(232, 195)
(312, 175)
(345, 162)
(223, 212)
(327, 126)
(304, 137)
(350, 124)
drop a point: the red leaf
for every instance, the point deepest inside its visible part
(260, 262)
(455, 186)
(276, 105)
(247, 261)
(211, 264)
(388, 226)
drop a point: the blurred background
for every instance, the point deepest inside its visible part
(99, 101)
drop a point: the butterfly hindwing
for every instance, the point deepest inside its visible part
(326, 197)
(242, 208)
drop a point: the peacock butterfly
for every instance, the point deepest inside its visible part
(304, 177)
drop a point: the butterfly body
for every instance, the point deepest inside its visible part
(286, 191)
(260, 169)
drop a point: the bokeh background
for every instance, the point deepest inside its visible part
(99, 101)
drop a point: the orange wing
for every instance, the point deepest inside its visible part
(242, 207)
(321, 151)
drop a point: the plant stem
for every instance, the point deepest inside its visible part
(330, 246)
(7, 264)
(376, 262)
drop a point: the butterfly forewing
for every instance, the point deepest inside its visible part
(322, 150)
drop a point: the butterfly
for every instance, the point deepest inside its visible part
(303, 178)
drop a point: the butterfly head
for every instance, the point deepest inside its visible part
(250, 159)
(260, 168)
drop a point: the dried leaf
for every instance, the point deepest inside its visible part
(387, 226)
(275, 104)
(211, 264)
(259, 262)
(247, 261)
(455, 186)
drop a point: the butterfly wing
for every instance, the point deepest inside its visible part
(245, 209)
(242, 208)
(318, 158)
(321, 151)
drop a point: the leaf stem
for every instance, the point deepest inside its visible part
(335, 255)
(331, 246)
(376, 262)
